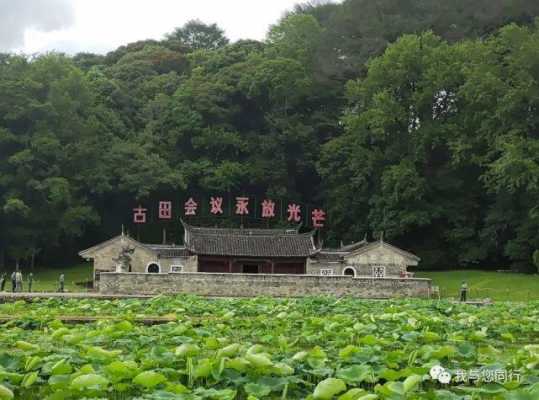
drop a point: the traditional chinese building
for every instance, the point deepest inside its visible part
(249, 251)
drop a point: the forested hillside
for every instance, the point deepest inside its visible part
(418, 118)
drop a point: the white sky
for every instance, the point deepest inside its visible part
(103, 25)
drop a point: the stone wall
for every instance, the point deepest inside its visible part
(361, 270)
(189, 263)
(392, 270)
(250, 285)
(315, 267)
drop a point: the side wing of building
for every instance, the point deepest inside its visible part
(376, 259)
(104, 254)
(146, 258)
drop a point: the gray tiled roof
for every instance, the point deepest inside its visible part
(169, 251)
(354, 246)
(241, 231)
(249, 242)
(330, 255)
(162, 250)
(372, 245)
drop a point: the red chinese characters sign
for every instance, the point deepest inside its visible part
(241, 206)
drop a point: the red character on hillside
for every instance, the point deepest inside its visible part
(318, 218)
(165, 210)
(216, 204)
(191, 207)
(294, 213)
(139, 215)
(241, 205)
(268, 209)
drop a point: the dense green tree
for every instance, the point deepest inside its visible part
(201, 128)
(196, 35)
(297, 37)
(85, 61)
(417, 118)
(357, 30)
(441, 147)
(43, 107)
(60, 149)
(512, 131)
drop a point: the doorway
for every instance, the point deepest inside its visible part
(153, 268)
(250, 268)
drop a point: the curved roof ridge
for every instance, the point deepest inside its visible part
(201, 230)
(372, 245)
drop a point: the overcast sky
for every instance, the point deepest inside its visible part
(99, 26)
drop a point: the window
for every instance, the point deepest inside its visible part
(153, 268)
(349, 271)
(326, 271)
(176, 269)
(379, 271)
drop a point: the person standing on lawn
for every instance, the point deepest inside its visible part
(61, 283)
(463, 291)
(2, 282)
(13, 281)
(30, 281)
(18, 281)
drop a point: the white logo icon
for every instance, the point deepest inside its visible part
(439, 373)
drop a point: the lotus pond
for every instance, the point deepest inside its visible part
(316, 348)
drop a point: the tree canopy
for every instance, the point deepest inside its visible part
(408, 117)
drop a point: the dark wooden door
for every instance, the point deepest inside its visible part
(250, 268)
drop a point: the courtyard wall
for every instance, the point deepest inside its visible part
(250, 285)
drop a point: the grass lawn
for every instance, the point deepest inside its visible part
(46, 279)
(494, 285)
(498, 286)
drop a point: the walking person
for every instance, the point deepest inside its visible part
(2, 282)
(13, 281)
(18, 281)
(61, 283)
(30, 281)
(463, 291)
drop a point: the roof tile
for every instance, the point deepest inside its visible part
(249, 242)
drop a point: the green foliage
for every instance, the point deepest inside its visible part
(393, 113)
(5, 393)
(358, 30)
(323, 348)
(196, 35)
(297, 36)
(418, 171)
(328, 388)
(149, 379)
(89, 382)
